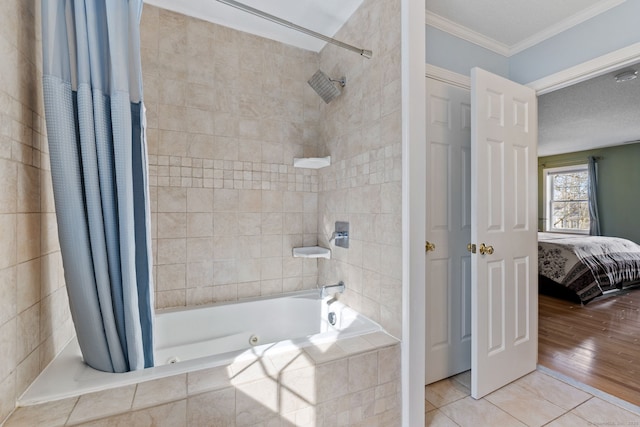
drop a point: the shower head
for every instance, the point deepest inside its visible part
(323, 85)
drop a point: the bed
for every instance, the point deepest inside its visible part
(586, 266)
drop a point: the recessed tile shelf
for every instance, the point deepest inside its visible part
(312, 252)
(312, 162)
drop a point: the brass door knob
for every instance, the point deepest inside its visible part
(486, 250)
(429, 247)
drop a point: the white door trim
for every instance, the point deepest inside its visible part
(567, 77)
(413, 46)
(413, 212)
(588, 69)
(447, 76)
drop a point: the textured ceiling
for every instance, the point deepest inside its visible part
(595, 113)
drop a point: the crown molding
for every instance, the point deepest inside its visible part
(465, 33)
(447, 76)
(564, 25)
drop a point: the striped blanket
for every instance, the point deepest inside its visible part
(588, 265)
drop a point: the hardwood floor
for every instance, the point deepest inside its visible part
(597, 344)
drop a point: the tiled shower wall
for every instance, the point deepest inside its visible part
(362, 130)
(34, 311)
(227, 113)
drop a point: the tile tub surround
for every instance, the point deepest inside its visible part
(227, 113)
(351, 381)
(362, 131)
(35, 322)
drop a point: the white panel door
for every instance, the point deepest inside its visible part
(448, 228)
(503, 216)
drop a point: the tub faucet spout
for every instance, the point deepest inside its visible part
(328, 290)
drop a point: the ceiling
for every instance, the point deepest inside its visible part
(587, 115)
(322, 16)
(591, 114)
(509, 26)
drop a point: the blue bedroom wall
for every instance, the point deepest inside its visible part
(458, 55)
(612, 30)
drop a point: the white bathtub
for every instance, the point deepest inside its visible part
(208, 336)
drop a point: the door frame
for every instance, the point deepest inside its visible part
(413, 284)
(567, 77)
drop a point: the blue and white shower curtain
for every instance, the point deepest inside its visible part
(92, 79)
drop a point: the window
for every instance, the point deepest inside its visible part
(567, 199)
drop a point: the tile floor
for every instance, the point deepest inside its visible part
(537, 399)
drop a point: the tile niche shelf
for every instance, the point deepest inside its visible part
(312, 252)
(312, 162)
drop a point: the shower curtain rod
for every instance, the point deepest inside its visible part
(364, 52)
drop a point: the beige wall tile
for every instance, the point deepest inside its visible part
(49, 233)
(28, 189)
(256, 402)
(152, 393)
(171, 251)
(28, 228)
(102, 403)
(172, 199)
(272, 246)
(27, 337)
(8, 294)
(225, 292)
(8, 350)
(170, 277)
(27, 371)
(212, 408)
(297, 389)
(8, 392)
(54, 315)
(207, 380)
(225, 200)
(24, 197)
(225, 224)
(199, 200)
(200, 274)
(199, 296)
(8, 246)
(271, 268)
(363, 371)
(50, 414)
(168, 299)
(172, 225)
(224, 272)
(168, 415)
(9, 193)
(330, 380)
